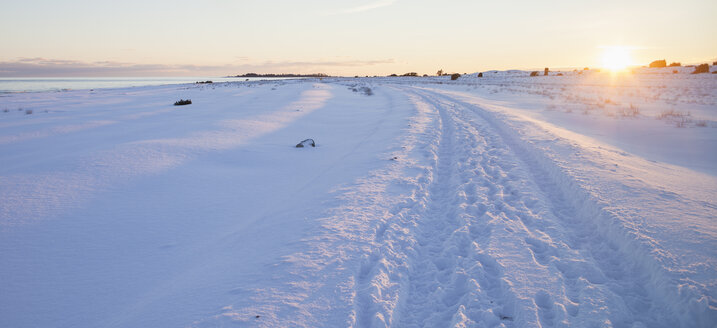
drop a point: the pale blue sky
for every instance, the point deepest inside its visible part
(220, 37)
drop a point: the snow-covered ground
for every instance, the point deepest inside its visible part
(583, 200)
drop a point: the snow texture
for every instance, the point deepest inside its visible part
(582, 200)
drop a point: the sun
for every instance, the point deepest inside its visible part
(616, 58)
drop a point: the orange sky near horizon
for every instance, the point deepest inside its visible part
(376, 37)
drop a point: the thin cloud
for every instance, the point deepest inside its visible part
(43, 67)
(366, 7)
(344, 63)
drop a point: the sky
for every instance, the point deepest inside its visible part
(92, 38)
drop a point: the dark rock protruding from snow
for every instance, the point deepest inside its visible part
(306, 143)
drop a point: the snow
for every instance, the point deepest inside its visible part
(581, 200)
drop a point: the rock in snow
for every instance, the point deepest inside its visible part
(306, 143)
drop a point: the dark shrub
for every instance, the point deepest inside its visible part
(534, 73)
(702, 68)
(365, 90)
(675, 71)
(182, 102)
(393, 75)
(546, 71)
(480, 74)
(675, 64)
(714, 63)
(411, 74)
(440, 72)
(455, 76)
(659, 63)
(559, 74)
(204, 82)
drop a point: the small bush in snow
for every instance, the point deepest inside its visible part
(534, 73)
(546, 71)
(702, 68)
(682, 122)
(701, 123)
(714, 63)
(559, 74)
(365, 90)
(675, 64)
(659, 63)
(669, 113)
(182, 102)
(455, 76)
(679, 118)
(5, 110)
(28, 111)
(631, 111)
(480, 74)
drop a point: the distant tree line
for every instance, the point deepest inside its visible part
(282, 75)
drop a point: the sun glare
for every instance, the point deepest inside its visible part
(616, 58)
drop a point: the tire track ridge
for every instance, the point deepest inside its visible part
(556, 183)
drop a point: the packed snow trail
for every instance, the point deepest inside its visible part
(504, 239)
(626, 250)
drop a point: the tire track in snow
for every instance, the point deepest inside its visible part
(381, 277)
(456, 274)
(598, 285)
(434, 261)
